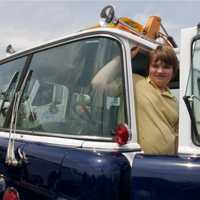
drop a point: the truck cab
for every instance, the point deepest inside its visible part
(68, 123)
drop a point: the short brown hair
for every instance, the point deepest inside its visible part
(167, 55)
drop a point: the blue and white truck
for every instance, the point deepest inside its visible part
(63, 137)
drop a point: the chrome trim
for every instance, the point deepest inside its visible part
(127, 90)
(67, 136)
(120, 150)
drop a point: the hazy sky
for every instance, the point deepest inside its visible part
(26, 23)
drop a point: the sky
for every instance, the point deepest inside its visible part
(27, 23)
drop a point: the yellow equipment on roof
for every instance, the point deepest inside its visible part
(151, 29)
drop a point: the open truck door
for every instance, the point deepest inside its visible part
(176, 177)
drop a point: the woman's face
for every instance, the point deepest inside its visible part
(160, 73)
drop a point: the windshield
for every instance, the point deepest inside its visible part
(75, 89)
(193, 91)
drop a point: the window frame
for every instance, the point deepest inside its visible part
(30, 54)
(195, 135)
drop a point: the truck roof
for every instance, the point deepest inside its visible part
(142, 40)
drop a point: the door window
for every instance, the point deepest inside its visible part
(75, 89)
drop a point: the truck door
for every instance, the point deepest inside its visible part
(176, 177)
(64, 103)
(40, 175)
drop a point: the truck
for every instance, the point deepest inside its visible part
(64, 137)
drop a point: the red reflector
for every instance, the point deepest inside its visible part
(121, 134)
(11, 194)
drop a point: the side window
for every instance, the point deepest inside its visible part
(75, 89)
(9, 75)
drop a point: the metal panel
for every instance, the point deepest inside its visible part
(94, 175)
(165, 177)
